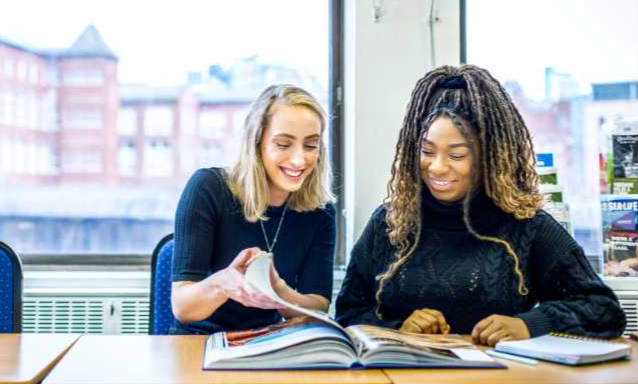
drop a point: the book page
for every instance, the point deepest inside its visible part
(226, 346)
(258, 275)
(375, 337)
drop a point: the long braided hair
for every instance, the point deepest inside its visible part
(503, 167)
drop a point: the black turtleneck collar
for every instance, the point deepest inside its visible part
(484, 214)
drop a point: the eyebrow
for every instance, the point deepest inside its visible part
(289, 136)
(455, 145)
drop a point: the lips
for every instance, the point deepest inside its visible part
(292, 173)
(441, 185)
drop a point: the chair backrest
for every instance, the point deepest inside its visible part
(10, 290)
(161, 312)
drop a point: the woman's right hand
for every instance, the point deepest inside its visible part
(232, 282)
(426, 321)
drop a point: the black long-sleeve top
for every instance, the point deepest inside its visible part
(468, 279)
(210, 230)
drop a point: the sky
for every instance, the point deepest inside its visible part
(595, 41)
(159, 42)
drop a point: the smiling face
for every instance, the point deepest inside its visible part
(289, 146)
(446, 161)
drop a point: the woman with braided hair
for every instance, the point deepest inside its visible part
(461, 244)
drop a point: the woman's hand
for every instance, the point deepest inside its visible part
(495, 328)
(234, 285)
(426, 321)
(278, 284)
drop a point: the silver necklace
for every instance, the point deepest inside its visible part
(274, 240)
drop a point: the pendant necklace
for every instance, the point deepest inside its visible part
(274, 240)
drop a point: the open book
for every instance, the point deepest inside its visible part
(316, 341)
(566, 349)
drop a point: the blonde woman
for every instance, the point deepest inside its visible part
(462, 245)
(276, 198)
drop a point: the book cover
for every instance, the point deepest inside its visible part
(566, 349)
(620, 235)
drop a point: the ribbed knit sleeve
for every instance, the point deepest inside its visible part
(356, 302)
(572, 298)
(195, 222)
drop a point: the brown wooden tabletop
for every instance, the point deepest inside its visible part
(26, 358)
(101, 359)
(616, 372)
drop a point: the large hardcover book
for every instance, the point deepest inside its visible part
(316, 341)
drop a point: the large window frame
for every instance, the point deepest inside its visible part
(141, 261)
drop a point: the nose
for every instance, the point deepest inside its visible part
(438, 166)
(297, 158)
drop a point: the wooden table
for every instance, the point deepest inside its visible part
(26, 358)
(617, 372)
(173, 359)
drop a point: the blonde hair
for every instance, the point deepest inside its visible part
(247, 179)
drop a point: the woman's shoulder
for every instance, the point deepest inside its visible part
(211, 183)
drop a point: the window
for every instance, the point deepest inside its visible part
(82, 162)
(567, 67)
(83, 118)
(8, 67)
(127, 158)
(127, 122)
(116, 113)
(22, 70)
(212, 124)
(158, 121)
(33, 73)
(83, 78)
(158, 159)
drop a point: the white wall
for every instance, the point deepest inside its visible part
(383, 61)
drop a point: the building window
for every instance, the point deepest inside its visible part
(83, 118)
(127, 121)
(83, 78)
(33, 73)
(127, 158)
(22, 70)
(46, 160)
(158, 121)
(8, 67)
(82, 162)
(212, 124)
(158, 159)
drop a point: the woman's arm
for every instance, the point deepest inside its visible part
(195, 295)
(356, 303)
(573, 299)
(194, 301)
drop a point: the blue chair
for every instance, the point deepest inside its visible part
(161, 312)
(10, 290)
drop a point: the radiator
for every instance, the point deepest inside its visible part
(86, 302)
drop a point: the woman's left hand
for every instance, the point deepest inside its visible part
(278, 284)
(495, 328)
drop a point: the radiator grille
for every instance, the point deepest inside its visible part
(63, 315)
(134, 316)
(631, 311)
(108, 315)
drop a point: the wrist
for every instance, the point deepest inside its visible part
(217, 284)
(282, 289)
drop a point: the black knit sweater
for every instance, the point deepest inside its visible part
(467, 279)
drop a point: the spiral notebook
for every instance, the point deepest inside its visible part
(567, 349)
